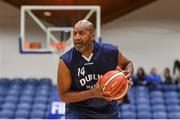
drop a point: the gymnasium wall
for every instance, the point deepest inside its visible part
(149, 36)
(12, 63)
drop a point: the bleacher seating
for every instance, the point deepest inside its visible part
(24, 98)
(161, 102)
(30, 99)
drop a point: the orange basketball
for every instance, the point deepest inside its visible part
(116, 83)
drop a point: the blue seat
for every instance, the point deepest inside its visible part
(32, 81)
(143, 107)
(24, 106)
(141, 95)
(132, 100)
(46, 81)
(41, 99)
(170, 87)
(171, 94)
(44, 87)
(142, 101)
(15, 86)
(128, 115)
(174, 115)
(156, 101)
(21, 114)
(26, 99)
(18, 81)
(172, 101)
(1, 99)
(131, 90)
(127, 107)
(13, 99)
(156, 94)
(3, 91)
(8, 106)
(14, 92)
(144, 115)
(159, 115)
(141, 88)
(28, 92)
(178, 87)
(173, 108)
(39, 106)
(37, 114)
(6, 114)
(43, 93)
(29, 87)
(159, 87)
(5, 81)
(131, 95)
(160, 108)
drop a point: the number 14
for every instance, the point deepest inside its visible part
(81, 71)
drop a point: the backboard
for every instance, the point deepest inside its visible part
(48, 29)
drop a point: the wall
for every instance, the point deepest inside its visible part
(150, 36)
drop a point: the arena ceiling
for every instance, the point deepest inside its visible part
(110, 9)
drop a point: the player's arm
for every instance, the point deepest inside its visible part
(126, 65)
(64, 82)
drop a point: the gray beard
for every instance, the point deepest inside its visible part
(81, 49)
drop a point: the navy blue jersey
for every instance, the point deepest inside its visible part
(85, 73)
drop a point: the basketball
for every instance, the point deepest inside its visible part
(116, 83)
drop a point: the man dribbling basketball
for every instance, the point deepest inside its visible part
(79, 70)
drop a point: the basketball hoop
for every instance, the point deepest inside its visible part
(58, 47)
(61, 34)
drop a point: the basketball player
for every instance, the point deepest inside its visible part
(79, 70)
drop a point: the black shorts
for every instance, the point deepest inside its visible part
(76, 114)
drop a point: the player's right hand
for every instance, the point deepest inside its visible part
(99, 93)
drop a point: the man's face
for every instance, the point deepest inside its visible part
(82, 38)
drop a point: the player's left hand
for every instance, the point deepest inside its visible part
(128, 76)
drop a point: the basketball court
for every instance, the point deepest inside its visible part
(35, 34)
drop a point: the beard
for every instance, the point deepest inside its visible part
(82, 46)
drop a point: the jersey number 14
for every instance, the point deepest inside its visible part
(81, 71)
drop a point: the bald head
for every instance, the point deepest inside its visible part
(83, 36)
(85, 24)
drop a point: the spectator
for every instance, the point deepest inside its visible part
(167, 76)
(177, 80)
(154, 79)
(140, 78)
(175, 68)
